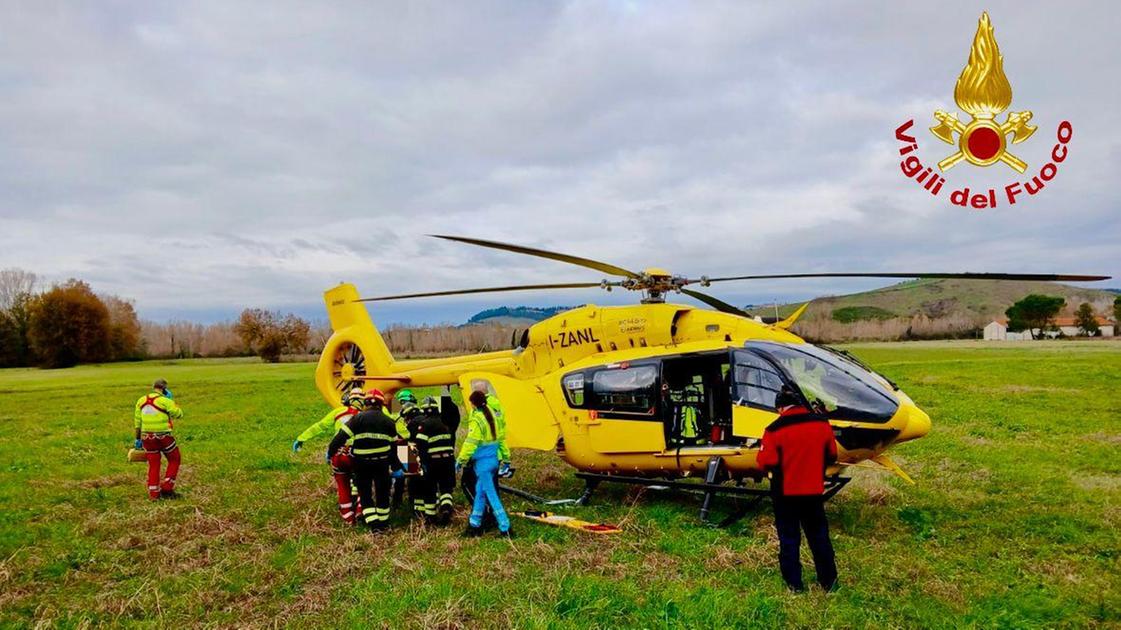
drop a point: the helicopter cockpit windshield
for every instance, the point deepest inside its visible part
(835, 387)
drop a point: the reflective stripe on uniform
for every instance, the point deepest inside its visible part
(371, 451)
(440, 449)
(371, 436)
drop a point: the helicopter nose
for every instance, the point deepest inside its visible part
(918, 425)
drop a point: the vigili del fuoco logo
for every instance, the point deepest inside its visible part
(983, 93)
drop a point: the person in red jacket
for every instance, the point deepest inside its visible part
(796, 448)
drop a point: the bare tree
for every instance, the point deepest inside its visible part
(270, 334)
(15, 282)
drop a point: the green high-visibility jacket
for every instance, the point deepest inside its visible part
(155, 412)
(478, 433)
(689, 429)
(401, 426)
(495, 407)
(328, 424)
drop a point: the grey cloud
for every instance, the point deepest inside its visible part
(261, 155)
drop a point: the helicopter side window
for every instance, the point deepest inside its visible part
(574, 389)
(630, 390)
(757, 381)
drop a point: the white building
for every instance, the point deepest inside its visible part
(997, 330)
(1069, 326)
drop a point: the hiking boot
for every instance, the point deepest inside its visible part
(506, 534)
(443, 515)
(168, 494)
(472, 532)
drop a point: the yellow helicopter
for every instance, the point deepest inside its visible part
(654, 392)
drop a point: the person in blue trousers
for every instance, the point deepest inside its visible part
(485, 449)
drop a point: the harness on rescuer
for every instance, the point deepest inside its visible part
(150, 403)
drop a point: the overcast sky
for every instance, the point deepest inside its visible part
(203, 157)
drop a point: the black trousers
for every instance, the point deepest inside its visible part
(796, 514)
(442, 473)
(373, 481)
(434, 488)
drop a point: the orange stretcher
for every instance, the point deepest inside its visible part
(549, 518)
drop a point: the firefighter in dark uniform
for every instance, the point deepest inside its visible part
(435, 446)
(372, 434)
(796, 449)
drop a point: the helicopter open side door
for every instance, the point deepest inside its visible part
(529, 420)
(755, 382)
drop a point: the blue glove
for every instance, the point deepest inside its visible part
(398, 474)
(167, 394)
(458, 468)
(505, 471)
(138, 444)
(296, 446)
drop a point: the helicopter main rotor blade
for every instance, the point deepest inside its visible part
(716, 303)
(541, 253)
(523, 287)
(1048, 277)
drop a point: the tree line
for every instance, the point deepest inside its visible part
(68, 323)
(64, 325)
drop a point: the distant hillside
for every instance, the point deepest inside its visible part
(516, 315)
(926, 308)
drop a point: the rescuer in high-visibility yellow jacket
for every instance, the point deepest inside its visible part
(152, 421)
(485, 450)
(342, 465)
(353, 402)
(468, 480)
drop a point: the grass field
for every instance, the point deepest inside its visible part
(1013, 523)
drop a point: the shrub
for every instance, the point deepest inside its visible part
(850, 314)
(69, 325)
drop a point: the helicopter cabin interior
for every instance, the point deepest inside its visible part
(691, 396)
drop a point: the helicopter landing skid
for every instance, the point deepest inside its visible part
(710, 488)
(537, 499)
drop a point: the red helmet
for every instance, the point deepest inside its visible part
(375, 394)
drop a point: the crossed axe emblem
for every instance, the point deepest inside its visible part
(990, 145)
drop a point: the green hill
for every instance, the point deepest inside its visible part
(941, 298)
(515, 315)
(925, 309)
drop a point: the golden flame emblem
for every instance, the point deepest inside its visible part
(983, 91)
